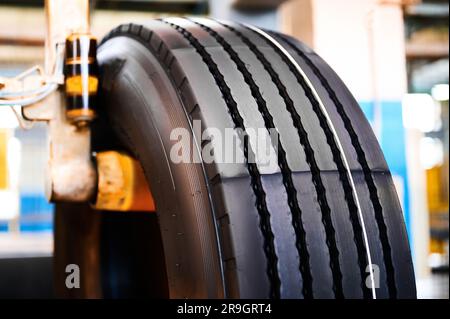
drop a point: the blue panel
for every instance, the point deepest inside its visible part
(32, 204)
(3, 226)
(36, 227)
(368, 109)
(36, 214)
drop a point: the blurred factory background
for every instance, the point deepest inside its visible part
(392, 54)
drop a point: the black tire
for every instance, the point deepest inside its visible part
(235, 230)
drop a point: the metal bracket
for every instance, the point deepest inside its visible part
(71, 175)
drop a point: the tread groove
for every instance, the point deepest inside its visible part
(300, 233)
(337, 158)
(310, 158)
(373, 192)
(256, 183)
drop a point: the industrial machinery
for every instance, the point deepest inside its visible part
(320, 219)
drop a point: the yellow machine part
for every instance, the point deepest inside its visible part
(437, 194)
(3, 158)
(437, 246)
(121, 184)
(437, 198)
(75, 85)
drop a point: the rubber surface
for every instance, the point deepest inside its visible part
(307, 227)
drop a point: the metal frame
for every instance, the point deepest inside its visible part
(71, 174)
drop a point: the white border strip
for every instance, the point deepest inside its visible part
(327, 116)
